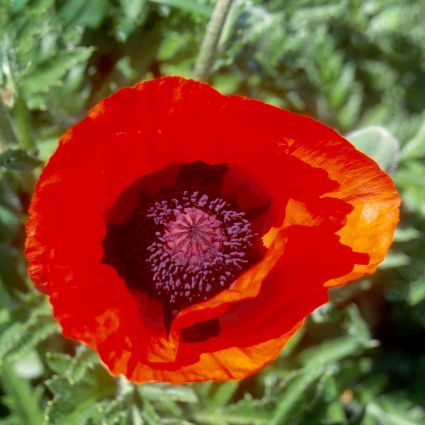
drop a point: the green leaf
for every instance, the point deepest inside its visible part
(350, 111)
(84, 359)
(357, 327)
(7, 131)
(76, 403)
(416, 291)
(150, 415)
(406, 234)
(71, 406)
(187, 6)
(83, 13)
(51, 72)
(19, 338)
(411, 179)
(157, 392)
(73, 368)
(222, 395)
(244, 412)
(9, 336)
(112, 412)
(29, 366)
(133, 8)
(378, 143)
(30, 336)
(295, 393)
(6, 298)
(58, 362)
(21, 398)
(324, 402)
(395, 259)
(342, 87)
(18, 159)
(30, 27)
(415, 148)
(331, 351)
(395, 411)
(136, 416)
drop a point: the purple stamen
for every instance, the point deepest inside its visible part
(200, 246)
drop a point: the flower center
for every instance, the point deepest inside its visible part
(181, 236)
(201, 244)
(194, 238)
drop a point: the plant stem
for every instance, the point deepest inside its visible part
(7, 132)
(211, 39)
(23, 125)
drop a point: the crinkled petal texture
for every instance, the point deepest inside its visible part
(332, 219)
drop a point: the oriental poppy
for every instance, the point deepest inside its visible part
(185, 234)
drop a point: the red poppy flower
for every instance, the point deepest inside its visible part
(185, 235)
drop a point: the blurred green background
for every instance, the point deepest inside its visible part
(357, 65)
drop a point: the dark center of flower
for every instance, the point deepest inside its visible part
(174, 235)
(193, 238)
(200, 245)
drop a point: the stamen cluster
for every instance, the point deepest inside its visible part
(201, 244)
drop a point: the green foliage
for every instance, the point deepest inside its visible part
(378, 143)
(37, 51)
(21, 399)
(18, 159)
(356, 65)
